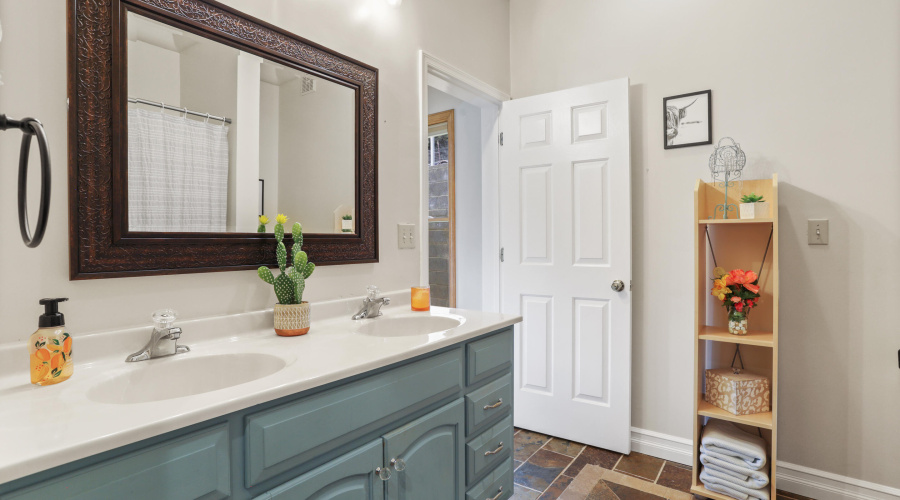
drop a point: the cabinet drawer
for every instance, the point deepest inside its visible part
(488, 403)
(498, 485)
(284, 437)
(489, 357)
(192, 466)
(489, 449)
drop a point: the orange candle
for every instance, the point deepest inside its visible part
(421, 298)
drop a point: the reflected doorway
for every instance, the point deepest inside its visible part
(441, 209)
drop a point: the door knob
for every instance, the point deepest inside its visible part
(618, 285)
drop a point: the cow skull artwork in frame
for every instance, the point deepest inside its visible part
(687, 120)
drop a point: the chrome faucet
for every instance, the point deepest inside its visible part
(371, 306)
(163, 340)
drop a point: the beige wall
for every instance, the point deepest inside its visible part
(387, 38)
(316, 150)
(811, 90)
(154, 73)
(268, 144)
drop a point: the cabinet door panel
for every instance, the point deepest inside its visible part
(188, 467)
(432, 448)
(279, 439)
(348, 477)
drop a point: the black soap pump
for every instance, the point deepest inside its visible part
(50, 347)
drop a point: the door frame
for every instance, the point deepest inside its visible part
(440, 75)
(434, 119)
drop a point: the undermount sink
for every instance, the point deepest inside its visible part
(403, 326)
(183, 375)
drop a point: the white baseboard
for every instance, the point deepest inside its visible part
(793, 478)
(664, 446)
(823, 485)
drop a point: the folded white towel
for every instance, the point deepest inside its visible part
(724, 441)
(732, 489)
(756, 481)
(737, 468)
(726, 491)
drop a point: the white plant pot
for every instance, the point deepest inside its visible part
(758, 210)
(347, 224)
(292, 320)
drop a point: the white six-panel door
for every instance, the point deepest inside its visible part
(565, 198)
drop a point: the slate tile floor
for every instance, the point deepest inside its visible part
(546, 466)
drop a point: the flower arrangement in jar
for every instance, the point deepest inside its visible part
(738, 291)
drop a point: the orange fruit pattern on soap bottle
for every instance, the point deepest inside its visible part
(51, 359)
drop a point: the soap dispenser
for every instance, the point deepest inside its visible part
(50, 347)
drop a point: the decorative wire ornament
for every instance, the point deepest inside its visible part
(725, 166)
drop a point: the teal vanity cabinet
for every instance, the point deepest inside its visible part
(354, 475)
(431, 449)
(434, 427)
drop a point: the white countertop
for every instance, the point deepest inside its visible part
(43, 427)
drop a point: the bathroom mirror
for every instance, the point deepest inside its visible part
(189, 120)
(218, 136)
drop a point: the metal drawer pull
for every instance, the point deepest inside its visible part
(383, 472)
(491, 407)
(495, 450)
(498, 495)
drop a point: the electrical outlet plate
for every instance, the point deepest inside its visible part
(817, 231)
(406, 236)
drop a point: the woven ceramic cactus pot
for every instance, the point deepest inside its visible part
(292, 320)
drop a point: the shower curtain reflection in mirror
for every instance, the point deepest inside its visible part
(177, 173)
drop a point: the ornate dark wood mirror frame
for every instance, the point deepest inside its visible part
(100, 245)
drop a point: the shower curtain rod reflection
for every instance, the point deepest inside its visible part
(181, 110)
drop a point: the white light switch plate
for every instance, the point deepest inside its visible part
(406, 236)
(817, 231)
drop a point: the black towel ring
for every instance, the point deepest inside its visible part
(31, 127)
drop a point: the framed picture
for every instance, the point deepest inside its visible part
(687, 120)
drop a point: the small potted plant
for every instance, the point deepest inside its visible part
(347, 223)
(738, 291)
(291, 311)
(754, 207)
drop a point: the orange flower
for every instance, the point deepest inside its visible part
(753, 288)
(736, 277)
(750, 277)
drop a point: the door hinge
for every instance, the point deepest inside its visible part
(501, 138)
(501, 254)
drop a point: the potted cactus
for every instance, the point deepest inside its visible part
(347, 223)
(754, 207)
(291, 311)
